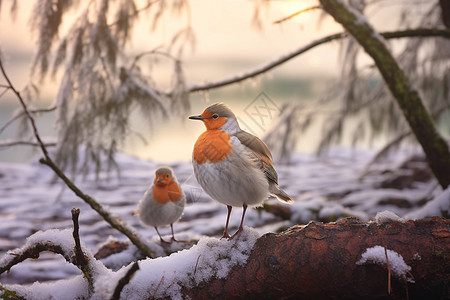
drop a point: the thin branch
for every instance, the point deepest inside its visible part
(112, 219)
(420, 32)
(25, 109)
(80, 259)
(264, 68)
(297, 13)
(18, 115)
(124, 281)
(7, 143)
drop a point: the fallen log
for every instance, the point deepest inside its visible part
(319, 261)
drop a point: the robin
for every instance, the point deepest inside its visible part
(163, 202)
(234, 167)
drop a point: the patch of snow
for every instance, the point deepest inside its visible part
(377, 255)
(387, 216)
(211, 257)
(67, 289)
(435, 207)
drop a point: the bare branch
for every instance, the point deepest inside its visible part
(11, 143)
(296, 14)
(420, 32)
(81, 260)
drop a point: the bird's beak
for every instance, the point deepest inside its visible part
(158, 180)
(199, 117)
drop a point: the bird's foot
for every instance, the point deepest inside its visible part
(225, 235)
(165, 242)
(237, 234)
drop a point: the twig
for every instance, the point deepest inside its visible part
(157, 287)
(23, 143)
(80, 259)
(389, 271)
(124, 281)
(297, 13)
(18, 115)
(196, 264)
(25, 109)
(112, 219)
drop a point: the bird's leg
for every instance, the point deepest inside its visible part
(225, 232)
(241, 228)
(173, 236)
(160, 237)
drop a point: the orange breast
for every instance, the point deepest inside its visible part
(160, 194)
(213, 146)
(164, 194)
(174, 191)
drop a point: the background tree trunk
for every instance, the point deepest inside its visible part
(435, 147)
(318, 261)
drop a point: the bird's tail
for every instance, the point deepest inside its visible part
(276, 191)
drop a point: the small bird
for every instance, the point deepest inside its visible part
(232, 166)
(163, 202)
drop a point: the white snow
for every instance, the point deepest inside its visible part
(387, 216)
(211, 257)
(324, 188)
(435, 207)
(377, 255)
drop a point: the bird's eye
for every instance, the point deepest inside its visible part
(215, 116)
(167, 176)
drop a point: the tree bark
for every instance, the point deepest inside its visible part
(318, 261)
(434, 146)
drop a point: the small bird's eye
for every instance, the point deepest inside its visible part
(167, 176)
(215, 116)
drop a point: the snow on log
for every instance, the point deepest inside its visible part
(322, 261)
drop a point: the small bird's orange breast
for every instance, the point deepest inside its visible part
(164, 194)
(174, 191)
(212, 146)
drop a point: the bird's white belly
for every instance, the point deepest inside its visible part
(235, 181)
(152, 213)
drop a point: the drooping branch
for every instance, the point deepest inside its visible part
(420, 32)
(408, 99)
(112, 219)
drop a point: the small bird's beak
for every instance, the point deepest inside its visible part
(199, 117)
(158, 180)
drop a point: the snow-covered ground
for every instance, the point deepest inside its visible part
(325, 188)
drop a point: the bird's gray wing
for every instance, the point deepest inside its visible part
(262, 151)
